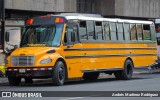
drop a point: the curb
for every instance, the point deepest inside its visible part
(3, 80)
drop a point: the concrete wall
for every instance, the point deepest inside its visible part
(42, 5)
(104, 7)
(138, 8)
(125, 8)
(69, 5)
(108, 7)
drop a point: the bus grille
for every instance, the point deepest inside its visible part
(22, 60)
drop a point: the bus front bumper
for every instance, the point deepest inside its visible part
(29, 72)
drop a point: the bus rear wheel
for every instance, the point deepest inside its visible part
(127, 72)
(14, 81)
(91, 76)
(59, 74)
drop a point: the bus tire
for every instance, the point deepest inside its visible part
(14, 81)
(127, 72)
(91, 76)
(59, 73)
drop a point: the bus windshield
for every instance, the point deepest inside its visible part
(45, 35)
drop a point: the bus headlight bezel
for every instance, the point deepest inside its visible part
(46, 61)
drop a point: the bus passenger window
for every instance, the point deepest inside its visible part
(98, 30)
(139, 31)
(157, 28)
(106, 30)
(113, 31)
(126, 32)
(153, 33)
(146, 32)
(82, 30)
(133, 32)
(120, 31)
(90, 30)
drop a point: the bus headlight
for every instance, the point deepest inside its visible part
(45, 61)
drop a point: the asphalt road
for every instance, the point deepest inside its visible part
(140, 82)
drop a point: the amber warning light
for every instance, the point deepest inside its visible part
(59, 20)
(29, 21)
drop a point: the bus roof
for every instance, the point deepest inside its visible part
(97, 17)
(50, 19)
(108, 19)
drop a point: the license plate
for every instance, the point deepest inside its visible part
(22, 70)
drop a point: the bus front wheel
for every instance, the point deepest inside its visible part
(127, 72)
(58, 76)
(14, 81)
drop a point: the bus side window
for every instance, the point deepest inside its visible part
(139, 31)
(120, 31)
(83, 30)
(90, 30)
(113, 31)
(126, 31)
(153, 33)
(146, 32)
(133, 32)
(98, 30)
(107, 31)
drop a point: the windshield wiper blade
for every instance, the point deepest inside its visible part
(36, 45)
(24, 46)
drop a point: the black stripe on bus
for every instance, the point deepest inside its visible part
(117, 42)
(102, 70)
(89, 49)
(108, 55)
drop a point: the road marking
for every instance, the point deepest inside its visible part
(72, 98)
(81, 97)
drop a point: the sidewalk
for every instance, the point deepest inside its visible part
(145, 71)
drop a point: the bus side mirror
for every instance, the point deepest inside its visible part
(73, 37)
(7, 36)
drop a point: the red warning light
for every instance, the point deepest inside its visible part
(29, 21)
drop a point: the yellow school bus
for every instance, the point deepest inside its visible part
(69, 46)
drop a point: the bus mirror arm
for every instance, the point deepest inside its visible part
(71, 45)
(7, 36)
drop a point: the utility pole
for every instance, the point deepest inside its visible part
(2, 19)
